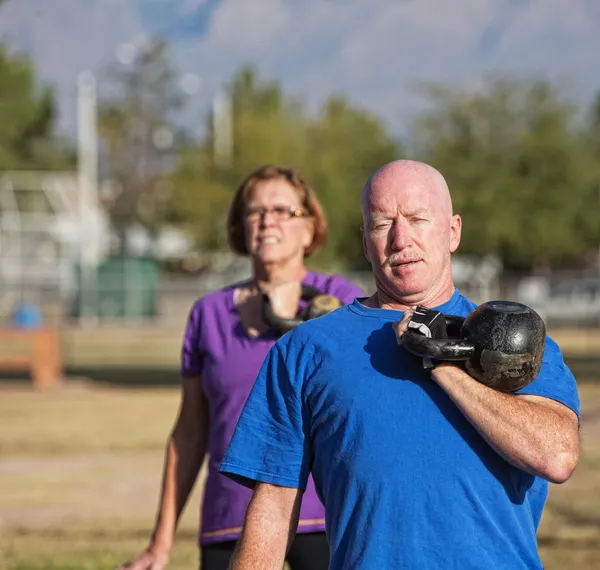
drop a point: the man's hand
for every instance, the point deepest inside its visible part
(151, 559)
(400, 327)
(284, 297)
(422, 321)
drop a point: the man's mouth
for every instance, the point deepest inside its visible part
(404, 262)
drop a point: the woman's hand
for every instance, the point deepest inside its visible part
(150, 559)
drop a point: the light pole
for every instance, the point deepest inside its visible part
(222, 120)
(87, 167)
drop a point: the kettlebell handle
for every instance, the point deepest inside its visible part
(451, 349)
(284, 324)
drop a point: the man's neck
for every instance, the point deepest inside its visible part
(384, 300)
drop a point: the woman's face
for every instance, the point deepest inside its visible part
(273, 235)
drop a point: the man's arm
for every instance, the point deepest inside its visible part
(269, 528)
(536, 434)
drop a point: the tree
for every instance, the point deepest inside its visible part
(518, 165)
(347, 145)
(138, 132)
(266, 127)
(27, 116)
(336, 150)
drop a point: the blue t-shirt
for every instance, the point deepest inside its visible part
(406, 481)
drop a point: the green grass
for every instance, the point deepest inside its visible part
(155, 346)
(80, 472)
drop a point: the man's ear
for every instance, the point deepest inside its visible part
(364, 243)
(455, 232)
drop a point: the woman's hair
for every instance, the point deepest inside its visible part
(235, 221)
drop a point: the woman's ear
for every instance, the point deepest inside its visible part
(309, 235)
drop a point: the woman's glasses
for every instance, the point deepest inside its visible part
(279, 213)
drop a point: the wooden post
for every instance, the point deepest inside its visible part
(43, 358)
(46, 369)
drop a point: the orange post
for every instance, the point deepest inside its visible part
(38, 352)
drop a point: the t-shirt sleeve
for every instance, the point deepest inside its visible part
(271, 442)
(344, 289)
(192, 358)
(555, 380)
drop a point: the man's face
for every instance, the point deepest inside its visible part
(409, 234)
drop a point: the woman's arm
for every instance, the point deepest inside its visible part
(185, 452)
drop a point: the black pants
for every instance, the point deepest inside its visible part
(309, 551)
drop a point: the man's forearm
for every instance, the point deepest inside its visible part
(269, 528)
(537, 435)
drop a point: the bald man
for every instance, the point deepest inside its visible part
(417, 469)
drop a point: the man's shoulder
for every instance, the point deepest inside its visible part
(463, 305)
(314, 331)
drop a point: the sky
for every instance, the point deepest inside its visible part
(376, 52)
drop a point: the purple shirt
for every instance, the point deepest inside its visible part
(218, 348)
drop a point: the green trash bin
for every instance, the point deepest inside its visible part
(123, 288)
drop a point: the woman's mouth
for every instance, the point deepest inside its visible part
(268, 240)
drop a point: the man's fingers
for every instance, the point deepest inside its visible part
(401, 326)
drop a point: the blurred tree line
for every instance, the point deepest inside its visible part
(522, 160)
(27, 116)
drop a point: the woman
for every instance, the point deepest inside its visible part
(276, 219)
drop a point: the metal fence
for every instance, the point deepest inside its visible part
(163, 299)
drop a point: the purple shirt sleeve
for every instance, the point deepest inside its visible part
(335, 285)
(192, 358)
(343, 289)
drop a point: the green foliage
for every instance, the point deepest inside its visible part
(27, 118)
(336, 151)
(523, 162)
(520, 168)
(143, 104)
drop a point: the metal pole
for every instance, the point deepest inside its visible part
(87, 154)
(222, 128)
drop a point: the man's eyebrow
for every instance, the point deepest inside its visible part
(379, 217)
(387, 216)
(419, 212)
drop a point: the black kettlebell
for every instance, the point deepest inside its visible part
(500, 342)
(318, 304)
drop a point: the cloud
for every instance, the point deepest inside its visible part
(375, 52)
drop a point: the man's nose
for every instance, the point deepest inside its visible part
(400, 236)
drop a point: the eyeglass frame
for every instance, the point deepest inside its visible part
(293, 213)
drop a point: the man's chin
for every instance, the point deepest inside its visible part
(403, 283)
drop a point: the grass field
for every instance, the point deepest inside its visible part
(80, 474)
(156, 346)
